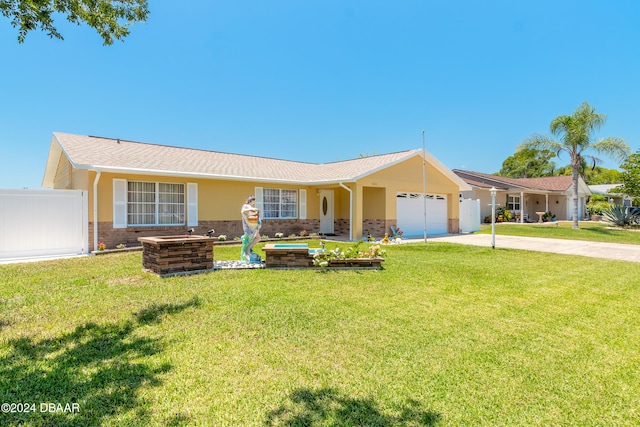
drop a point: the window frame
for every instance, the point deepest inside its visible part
(512, 203)
(161, 203)
(273, 209)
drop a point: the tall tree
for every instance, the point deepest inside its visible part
(593, 175)
(528, 163)
(631, 175)
(573, 135)
(110, 18)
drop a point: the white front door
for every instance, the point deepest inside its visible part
(326, 211)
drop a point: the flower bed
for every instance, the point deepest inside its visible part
(300, 256)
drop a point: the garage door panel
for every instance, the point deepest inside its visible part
(410, 214)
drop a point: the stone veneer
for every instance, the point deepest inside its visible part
(129, 236)
(298, 256)
(287, 257)
(376, 227)
(170, 255)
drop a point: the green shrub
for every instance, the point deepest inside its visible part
(597, 207)
(503, 215)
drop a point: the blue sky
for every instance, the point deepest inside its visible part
(321, 81)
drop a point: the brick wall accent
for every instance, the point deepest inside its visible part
(341, 226)
(129, 236)
(454, 226)
(289, 226)
(376, 227)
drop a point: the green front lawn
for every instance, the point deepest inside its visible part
(445, 335)
(592, 231)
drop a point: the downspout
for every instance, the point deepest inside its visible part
(522, 207)
(350, 209)
(95, 210)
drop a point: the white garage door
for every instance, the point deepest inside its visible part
(410, 214)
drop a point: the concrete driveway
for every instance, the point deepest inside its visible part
(615, 251)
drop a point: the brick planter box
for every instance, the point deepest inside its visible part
(172, 255)
(298, 256)
(287, 255)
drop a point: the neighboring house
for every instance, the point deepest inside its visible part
(612, 196)
(526, 195)
(140, 189)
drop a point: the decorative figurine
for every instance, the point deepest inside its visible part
(251, 225)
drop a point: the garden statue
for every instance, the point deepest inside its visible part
(385, 239)
(251, 225)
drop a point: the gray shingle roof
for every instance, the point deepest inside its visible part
(108, 154)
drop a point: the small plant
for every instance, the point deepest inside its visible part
(503, 215)
(279, 235)
(323, 259)
(548, 216)
(222, 237)
(121, 246)
(101, 246)
(375, 251)
(597, 207)
(353, 251)
(303, 233)
(621, 216)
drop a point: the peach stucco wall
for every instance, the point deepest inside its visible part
(374, 196)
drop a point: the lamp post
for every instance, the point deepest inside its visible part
(493, 216)
(424, 187)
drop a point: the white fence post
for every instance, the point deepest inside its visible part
(469, 215)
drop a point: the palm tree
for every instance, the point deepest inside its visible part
(573, 135)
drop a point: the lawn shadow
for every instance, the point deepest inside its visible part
(154, 312)
(97, 369)
(327, 406)
(602, 230)
(3, 322)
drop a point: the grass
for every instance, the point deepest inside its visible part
(591, 231)
(445, 335)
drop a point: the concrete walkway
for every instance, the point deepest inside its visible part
(615, 251)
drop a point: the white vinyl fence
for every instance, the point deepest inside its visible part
(43, 223)
(469, 215)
